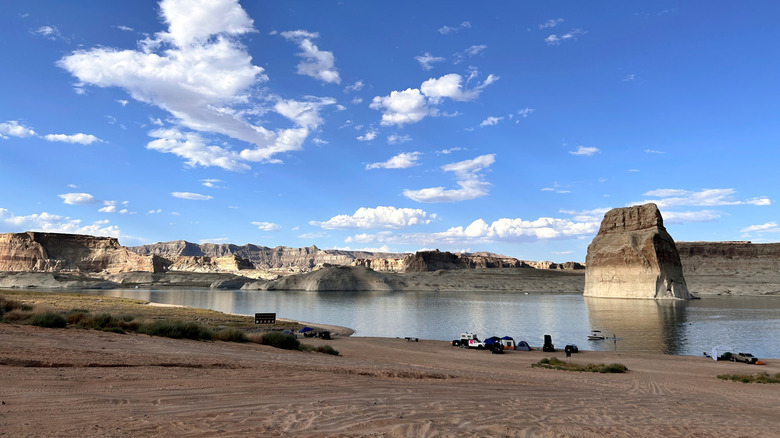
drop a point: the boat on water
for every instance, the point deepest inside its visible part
(595, 335)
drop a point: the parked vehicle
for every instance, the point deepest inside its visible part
(469, 340)
(744, 357)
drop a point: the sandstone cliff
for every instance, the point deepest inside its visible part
(54, 252)
(633, 256)
(333, 278)
(740, 268)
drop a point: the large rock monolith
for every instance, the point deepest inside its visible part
(633, 256)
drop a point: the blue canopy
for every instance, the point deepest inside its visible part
(506, 338)
(305, 329)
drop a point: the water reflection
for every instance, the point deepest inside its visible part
(648, 325)
(672, 327)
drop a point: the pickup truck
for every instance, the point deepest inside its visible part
(744, 357)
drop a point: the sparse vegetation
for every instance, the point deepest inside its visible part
(177, 330)
(761, 377)
(94, 313)
(280, 340)
(48, 319)
(557, 364)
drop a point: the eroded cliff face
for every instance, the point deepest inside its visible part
(633, 256)
(51, 252)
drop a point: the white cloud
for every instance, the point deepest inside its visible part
(554, 39)
(158, 211)
(379, 217)
(450, 150)
(191, 196)
(124, 28)
(192, 147)
(401, 107)
(317, 63)
(78, 198)
(15, 129)
(629, 78)
(267, 226)
(198, 71)
(122, 102)
(769, 227)
(368, 136)
(450, 86)
(681, 217)
(491, 121)
(49, 32)
(109, 207)
(551, 23)
(74, 138)
(702, 198)
(413, 105)
(426, 60)
(211, 182)
(525, 112)
(398, 139)
(475, 50)
(357, 86)
(52, 223)
(469, 178)
(653, 151)
(444, 30)
(401, 161)
(586, 151)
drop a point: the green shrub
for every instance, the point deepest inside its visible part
(231, 335)
(557, 364)
(114, 330)
(327, 349)
(761, 377)
(48, 319)
(280, 340)
(75, 318)
(177, 330)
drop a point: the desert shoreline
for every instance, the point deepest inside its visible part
(76, 382)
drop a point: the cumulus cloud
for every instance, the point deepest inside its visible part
(398, 139)
(368, 136)
(267, 226)
(551, 23)
(12, 128)
(444, 30)
(481, 231)
(554, 39)
(469, 179)
(491, 121)
(316, 63)
(191, 196)
(702, 198)
(198, 71)
(426, 60)
(78, 198)
(400, 161)
(193, 148)
(49, 32)
(379, 217)
(73, 138)
(413, 105)
(769, 227)
(357, 86)
(52, 223)
(585, 151)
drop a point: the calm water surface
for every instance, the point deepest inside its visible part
(749, 324)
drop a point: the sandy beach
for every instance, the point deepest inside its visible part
(74, 382)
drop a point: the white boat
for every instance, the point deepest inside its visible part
(595, 335)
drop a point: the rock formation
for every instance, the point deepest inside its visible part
(333, 278)
(633, 256)
(55, 252)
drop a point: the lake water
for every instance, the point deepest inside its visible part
(747, 324)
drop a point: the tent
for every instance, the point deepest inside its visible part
(523, 346)
(722, 348)
(508, 342)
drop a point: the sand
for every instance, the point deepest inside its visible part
(72, 382)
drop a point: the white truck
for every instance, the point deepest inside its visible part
(469, 340)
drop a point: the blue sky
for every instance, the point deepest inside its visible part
(389, 126)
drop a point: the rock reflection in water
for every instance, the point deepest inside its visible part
(638, 325)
